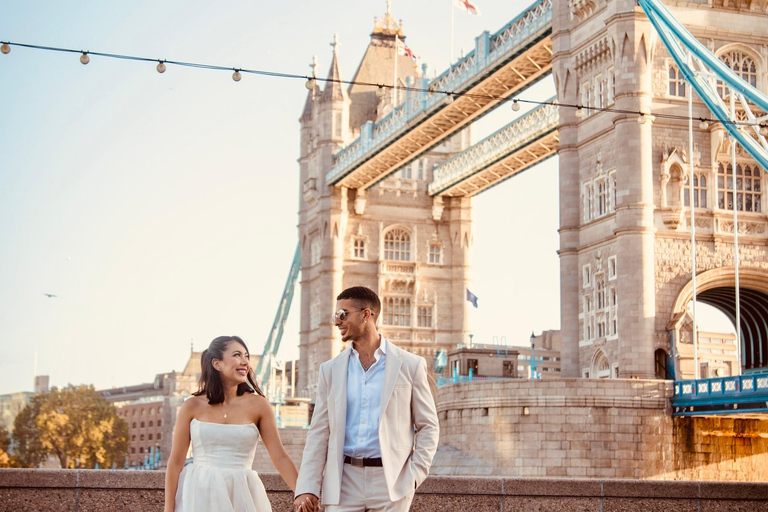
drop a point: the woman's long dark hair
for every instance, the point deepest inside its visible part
(210, 380)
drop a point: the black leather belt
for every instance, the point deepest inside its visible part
(358, 461)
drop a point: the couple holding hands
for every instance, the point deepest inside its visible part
(371, 442)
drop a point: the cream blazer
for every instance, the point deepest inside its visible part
(408, 427)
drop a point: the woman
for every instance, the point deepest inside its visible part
(223, 420)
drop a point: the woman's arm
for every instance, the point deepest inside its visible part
(271, 437)
(178, 453)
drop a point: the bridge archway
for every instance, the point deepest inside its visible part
(716, 287)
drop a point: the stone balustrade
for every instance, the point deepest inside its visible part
(42, 490)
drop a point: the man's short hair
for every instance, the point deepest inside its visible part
(364, 297)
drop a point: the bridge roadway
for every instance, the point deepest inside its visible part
(502, 65)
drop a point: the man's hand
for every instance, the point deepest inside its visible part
(306, 503)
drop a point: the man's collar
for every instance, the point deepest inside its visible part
(382, 346)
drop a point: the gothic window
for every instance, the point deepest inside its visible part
(742, 65)
(424, 316)
(434, 253)
(397, 311)
(611, 85)
(397, 245)
(612, 268)
(587, 304)
(601, 328)
(600, 295)
(420, 168)
(676, 82)
(337, 125)
(602, 368)
(586, 274)
(589, 200)
(405, 172)
(586, 97)
(748, 187)
(699, 192)
(599, 92)
(358, 247)
(603, 199)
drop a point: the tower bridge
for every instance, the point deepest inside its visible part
(388, 182)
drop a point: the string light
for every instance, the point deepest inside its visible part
(310, 84)
(381, 89)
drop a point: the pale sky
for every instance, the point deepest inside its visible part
(162, 209)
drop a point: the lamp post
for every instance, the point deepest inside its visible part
(533, 355)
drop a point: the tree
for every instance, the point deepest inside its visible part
(78, 426)
(5, 442)
(27, 450)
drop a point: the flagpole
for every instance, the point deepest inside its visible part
(692, 201)
(735, 234)
(394, 81)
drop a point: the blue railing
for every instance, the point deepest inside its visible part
(443, 381)
(721, 395)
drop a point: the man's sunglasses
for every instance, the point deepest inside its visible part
(342, 314)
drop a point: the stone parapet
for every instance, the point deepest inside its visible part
(40, 490)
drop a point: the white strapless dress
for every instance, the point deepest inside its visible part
(221, 479)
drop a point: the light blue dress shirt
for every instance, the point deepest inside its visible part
(364, 388)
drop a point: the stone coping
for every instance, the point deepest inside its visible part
(122, 480)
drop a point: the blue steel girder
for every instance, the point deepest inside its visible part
(702, 69)
(721, 395)
(264, 367)
(518, 146)
(502, 64)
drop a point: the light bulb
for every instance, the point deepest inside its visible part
(515, 106)
(448, 99)
(236, 76)
(703, 125)
(642, 119)
(161, 67)
(5, 48)
(85, 59)
(310, 84)
(381, 91)
(579, 113)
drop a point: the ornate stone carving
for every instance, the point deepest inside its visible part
(596, 56)
(582, 9)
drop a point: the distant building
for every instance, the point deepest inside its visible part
(482, 361)
(547, 348)
(10, 407)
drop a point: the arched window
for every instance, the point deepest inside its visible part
(397, 245)
(748, 187)
(435, 253)
(742, 65)
(397, 311)
(676, 82)
(601, 367)
(699, 192)
(359, 248)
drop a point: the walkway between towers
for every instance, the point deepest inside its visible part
(502, 65)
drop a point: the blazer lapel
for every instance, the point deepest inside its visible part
(340, 393)
(391, 370)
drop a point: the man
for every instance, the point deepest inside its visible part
(370, 398)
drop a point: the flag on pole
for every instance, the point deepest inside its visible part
(467, 6)
(402, 49)
(471, 297)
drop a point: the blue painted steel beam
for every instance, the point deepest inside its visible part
(687, 51)
(278, 325)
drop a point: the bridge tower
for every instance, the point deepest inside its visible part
(625, 215)
(392, 236)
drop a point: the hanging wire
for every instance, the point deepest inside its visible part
(704, 122)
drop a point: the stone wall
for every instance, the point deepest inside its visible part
(578, 428)
(39, 490)
(293, 440)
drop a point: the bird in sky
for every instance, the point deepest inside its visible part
(50, 295)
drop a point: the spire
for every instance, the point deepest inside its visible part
(334, 89)
(314, 93)
(388, 26)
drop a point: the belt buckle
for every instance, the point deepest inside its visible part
(357, 461)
